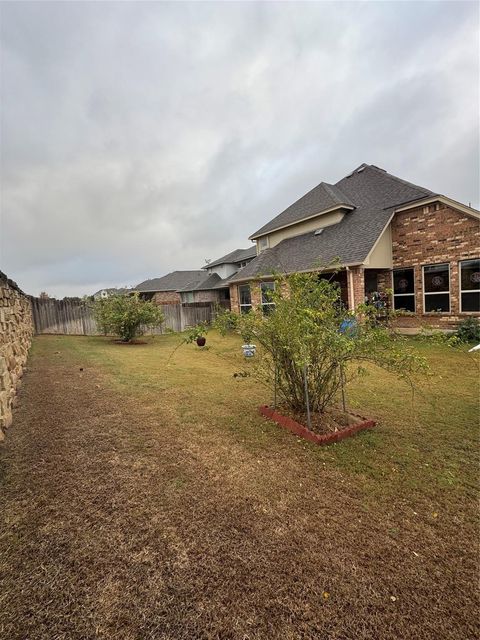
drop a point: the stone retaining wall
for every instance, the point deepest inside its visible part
(16, 330)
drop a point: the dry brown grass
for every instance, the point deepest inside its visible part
(140, 501)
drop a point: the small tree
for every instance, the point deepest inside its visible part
(311, 338)
(126, 316)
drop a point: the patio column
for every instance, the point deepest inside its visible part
(356, 287)
(234, 306)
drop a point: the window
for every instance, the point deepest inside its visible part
(470, 285)
(436, 288)
(245, 298)
(188, 297)
(267, 304)
(404, 289)
(262, 243)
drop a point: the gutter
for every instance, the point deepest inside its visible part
(263, 276)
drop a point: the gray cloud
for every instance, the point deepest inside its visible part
(138, 138)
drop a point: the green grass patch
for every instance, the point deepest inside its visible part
(427, 443)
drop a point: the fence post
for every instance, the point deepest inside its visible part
(307, 400)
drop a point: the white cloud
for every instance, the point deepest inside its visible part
(138, 138)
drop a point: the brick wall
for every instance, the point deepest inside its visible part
(440, 235)
(234, 298)
(357, 280)
(166, 297)
(206, 296)
(255, 293)
(16, 330)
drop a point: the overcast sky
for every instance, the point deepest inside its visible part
(139, 138)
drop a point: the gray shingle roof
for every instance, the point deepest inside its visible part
(320, 198)
(234, 257)
(113, 291)
(174, 281)
(213, 281)
(209, 282)
(376, 195)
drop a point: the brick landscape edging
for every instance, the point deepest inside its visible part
(302, 431)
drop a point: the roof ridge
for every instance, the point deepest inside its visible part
(331, 187)
(326, 188)
(384, 172)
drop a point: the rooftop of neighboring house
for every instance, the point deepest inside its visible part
(234, 257)
(214, 280)
(198, 280)
(210, 281)
(367, 199)
(111, 291)
(174, 281)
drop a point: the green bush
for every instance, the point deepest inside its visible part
(126, 316)
(198, 331)
(469, 330)
(226, 322)
(438, 337)
(310, 332)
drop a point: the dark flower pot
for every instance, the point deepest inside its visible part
(201, 341)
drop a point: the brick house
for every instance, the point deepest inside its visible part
(215, 285)
(166, 290)
(209, 285)
(387, 234)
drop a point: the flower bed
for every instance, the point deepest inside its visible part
(300, 430)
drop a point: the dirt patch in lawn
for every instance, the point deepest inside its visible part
(332, 420)
(124, 518)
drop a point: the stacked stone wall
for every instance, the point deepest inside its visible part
(16, 331)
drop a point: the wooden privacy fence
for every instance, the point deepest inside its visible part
(69, 317)
(75, 317)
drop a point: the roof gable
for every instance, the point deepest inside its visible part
(234, 257)
(366, 186)
(324, 197)
(210, 281)
(172, 281)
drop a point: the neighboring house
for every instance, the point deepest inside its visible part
(214, 287)
(387, 234)
(105, 293)
(166, 290)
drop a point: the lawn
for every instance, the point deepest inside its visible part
(142, 496)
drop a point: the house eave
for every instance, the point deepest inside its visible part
(154, 291)
(337, 207)
(454, 204)
(265, 276)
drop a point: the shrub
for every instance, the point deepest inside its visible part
(469, 330)
(126, 316)
(302, 338)
(226, 322)
(198, 331)
(438, 337)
